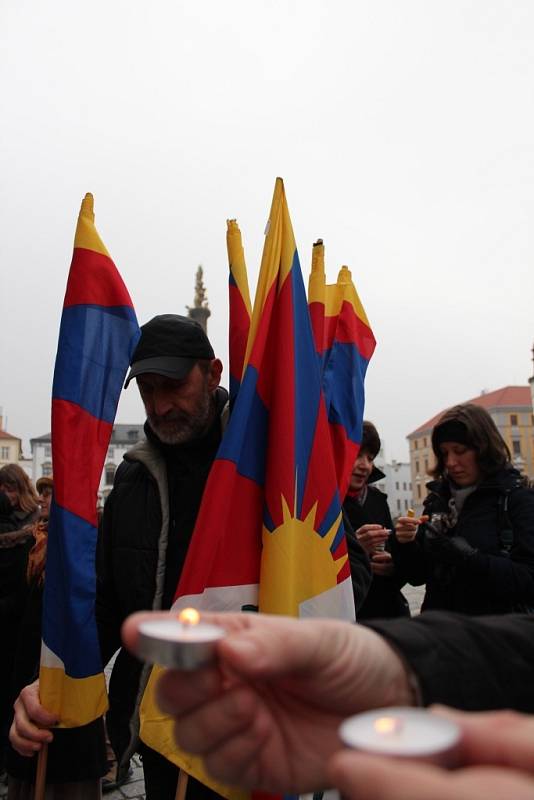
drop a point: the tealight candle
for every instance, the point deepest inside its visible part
(413, 733)
(182, 642)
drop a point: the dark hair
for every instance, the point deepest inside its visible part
(481, 435)
(13, 477)
(370, 439)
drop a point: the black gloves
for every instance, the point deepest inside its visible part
(453, 550)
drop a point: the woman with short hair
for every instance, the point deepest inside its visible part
(474, 546)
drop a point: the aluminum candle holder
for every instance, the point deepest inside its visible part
(406, 733)
(181, 642)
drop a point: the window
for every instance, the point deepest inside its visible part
(397, 485)
(410, 486)
(415, 445)
(426, 466)
(111, 452)
(404, 486)
(4, 452)
(47, 450)
(109, 474)
(398, 505)
(513, 420)
(419, 491)
(424, 442)
(516, 447)
(46, 469)
(406, 505)
(417, 467)
(133, 436)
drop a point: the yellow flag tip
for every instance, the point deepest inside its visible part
(88, 205)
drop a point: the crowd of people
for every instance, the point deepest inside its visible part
(273, 726)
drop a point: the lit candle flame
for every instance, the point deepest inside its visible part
(189, 617)
(388, 725)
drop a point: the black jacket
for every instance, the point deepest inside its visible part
(482, 576)
(384, 598)
(147, 525)
(474, 664)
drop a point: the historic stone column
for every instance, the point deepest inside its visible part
(200, 311)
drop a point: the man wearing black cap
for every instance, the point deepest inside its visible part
(150, 515)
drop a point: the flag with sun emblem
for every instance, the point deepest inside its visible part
(269, 535)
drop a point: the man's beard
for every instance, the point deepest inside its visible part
(177, 428)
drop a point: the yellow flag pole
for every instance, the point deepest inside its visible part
(181, 789)
(40, 775)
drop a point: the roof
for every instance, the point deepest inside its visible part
(6, 435)
(507, 397)
(123, 433)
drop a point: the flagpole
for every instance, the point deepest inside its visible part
(40, 775)
(181, 789)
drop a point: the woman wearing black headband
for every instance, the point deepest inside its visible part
(474, 548)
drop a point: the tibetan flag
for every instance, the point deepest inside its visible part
(239, 306)
(269, 535)
(345, 343)
(97, 337)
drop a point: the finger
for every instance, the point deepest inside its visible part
(178, 692)
(211, 724)
(495, 737)
(29, 705)
(235, 757)
(374, 778)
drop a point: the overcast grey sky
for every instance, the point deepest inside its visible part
(404, 132)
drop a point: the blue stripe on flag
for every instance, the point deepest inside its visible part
(306, 404)
(248, 423)
(90, 358)
(343, 385)
(69, 627)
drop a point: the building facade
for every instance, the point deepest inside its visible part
(510, 409)
(10, 446)
(123, 438)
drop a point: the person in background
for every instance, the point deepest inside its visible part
(368, 512)
(147, 526)
(20, 510)
(76, 756)
(476, 551)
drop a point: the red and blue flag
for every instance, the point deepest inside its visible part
(345, 343)
(239, 306)
(269, 535)
(97, 337)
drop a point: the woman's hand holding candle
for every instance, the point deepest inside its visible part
(496, 750)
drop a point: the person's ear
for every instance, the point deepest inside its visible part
(214, 376)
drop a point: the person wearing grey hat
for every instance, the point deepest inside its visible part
(149, 518)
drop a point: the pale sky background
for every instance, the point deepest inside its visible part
(404, 132)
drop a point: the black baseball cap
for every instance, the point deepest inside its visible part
(170, 345)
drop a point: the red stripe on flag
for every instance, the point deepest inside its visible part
(80, 442)
(94, 280)
(238, 332)
(321, 483)
(348, 328)
(224, 550)
(276, 387)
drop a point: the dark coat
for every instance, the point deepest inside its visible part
(384, 598)
(147, 525)
(481, 577)
(471, 663)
